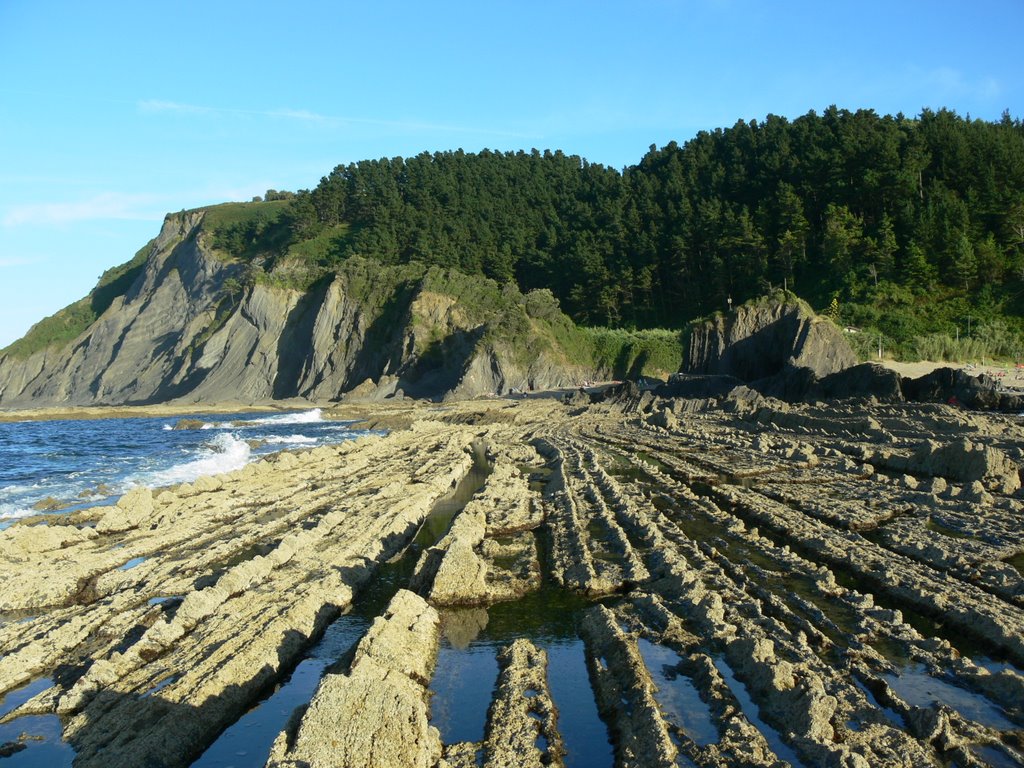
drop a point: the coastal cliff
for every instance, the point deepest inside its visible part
(762, 338)
(189, 323)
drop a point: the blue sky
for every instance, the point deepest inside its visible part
(113, 113)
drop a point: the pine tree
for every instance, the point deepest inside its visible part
(965, 263)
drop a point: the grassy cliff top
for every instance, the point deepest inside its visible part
(62, 327)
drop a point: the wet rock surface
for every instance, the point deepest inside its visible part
(377, 713)
(761, 584)
(523, 721)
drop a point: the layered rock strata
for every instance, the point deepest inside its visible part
(522, 725)
(376, 714)
(489, 553)
(192, 325)
(761, 584)
(758, 340)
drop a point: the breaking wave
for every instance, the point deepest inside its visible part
(303, 417)
(225, 453)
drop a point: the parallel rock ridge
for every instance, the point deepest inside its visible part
(180, 331)
(755, 585)
(377, 713)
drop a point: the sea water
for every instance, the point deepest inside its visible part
(60, 466)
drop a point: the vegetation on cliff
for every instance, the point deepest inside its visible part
(914, 227)
(908, 229)
(60, 328)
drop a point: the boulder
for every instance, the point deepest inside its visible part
(577, 398)
(864, 380)
(793, 383)
(664, 419)
(621, 393)
(698, 386)
(967, 462)
(958, 387)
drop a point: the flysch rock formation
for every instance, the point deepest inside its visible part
(758, 584)
(377, 714)
(495, 526)
(177, 332)
(758, 340)
(778, 347)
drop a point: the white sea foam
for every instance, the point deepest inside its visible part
(10, 512)
(304, 417)
(11, 490)
(225, 453)
(168, 427)
(288, 440)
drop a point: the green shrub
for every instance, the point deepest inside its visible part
(57, 330)
(628, 354)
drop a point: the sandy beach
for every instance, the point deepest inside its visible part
(1008, 376)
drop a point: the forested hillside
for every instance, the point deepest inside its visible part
(906, 225)
(908, 229)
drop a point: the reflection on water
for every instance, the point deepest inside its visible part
(462, 688)
(38, 736)
(445, 508)
(247, 742)
(467, 670)
(677, 697)
(915, 686)
(753, 714)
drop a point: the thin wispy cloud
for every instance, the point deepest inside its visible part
(156, 106)
(13, 262)
(106, 206)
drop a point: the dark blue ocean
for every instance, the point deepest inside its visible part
(71, 464)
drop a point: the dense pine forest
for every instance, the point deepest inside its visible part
(908, 228)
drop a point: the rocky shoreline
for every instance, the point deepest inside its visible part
(805, 570)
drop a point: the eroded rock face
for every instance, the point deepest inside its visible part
(233, 578)
(522, 725)
(757, 341)
(489, 552)
(782, 350)
(864, 380)
(178, 333)
(624, 692)
(461, 574)
(967, 462)
(945, 385)
(962, 461)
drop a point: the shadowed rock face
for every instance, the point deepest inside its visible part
(952, 385)
(760, 340)
(782, 350)
(178, 333)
